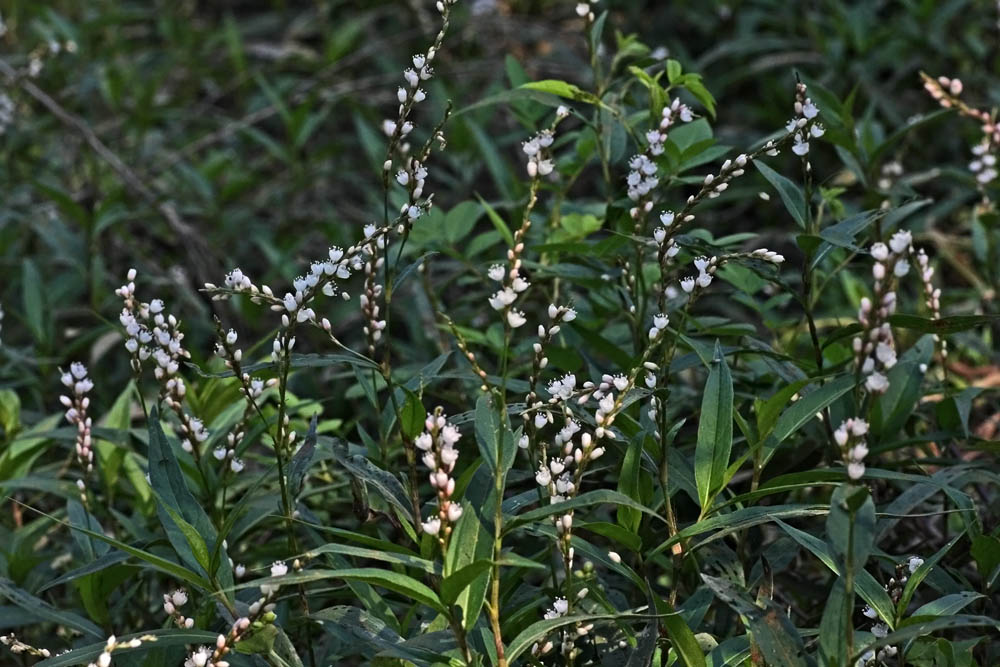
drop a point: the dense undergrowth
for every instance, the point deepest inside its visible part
(564, 340)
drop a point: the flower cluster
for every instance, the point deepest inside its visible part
(875, 348)
(540, 161)
(412, 94)
(172, 603)
(437, 443)
(104, 659)
(706, 271)
(932, 296)
(802, 126)
(585, 11)
(850, 438)
(880, 630)
(17, 647)
(984, 163)
(227, 452)
(76, 405)
(642, 178)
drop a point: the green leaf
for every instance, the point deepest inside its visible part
(741, 519)
(674, 70)
(944, 325)
(177, 501)
(774, 634)
(412, 415)
(89, 653)
(303, 459)
(834, 627)
(388, 579)
(596, 497)
(460, 220)
(39, 607)
(804, 410)
(948, 605)
(498, 222)
(470, 542)
(375, 633)
(33, 299)
(384, 483)
(562, 89)
(715, 431)
(695, 86)
(457, 582)
(791, 194)
(396, 558)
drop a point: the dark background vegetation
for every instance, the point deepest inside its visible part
(186, 138)
(259, 122)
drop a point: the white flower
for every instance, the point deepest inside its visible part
(914, 563)
(800, 147)
(900, 241)
(496, 272)
(855, 470)
(179, 598)
(877, 383)
(667, 218)
(279, 568)
(687, 284)
(885, 354)
(809, 110)
(543, 476)
(880, 251)
(432, 526)
(615, 558)
(236, 465)
(869, 612)
(515, 318)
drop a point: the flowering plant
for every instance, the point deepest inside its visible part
(447, 442)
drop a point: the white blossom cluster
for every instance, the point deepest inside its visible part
(706, 266)
(880, 630)
(76, 404)
(227, 452)
(984, 163)
(104, 659)
(642, 178)
(17, 647)
(540, 161)
(875, 348)
(889, 174)
(437, 443)
(374, 261)
(413, 174)
(585, 10)
(850, 438)
(172, 603)
(151, 332)
(205, 656)
(803, 125)
(932, 296)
